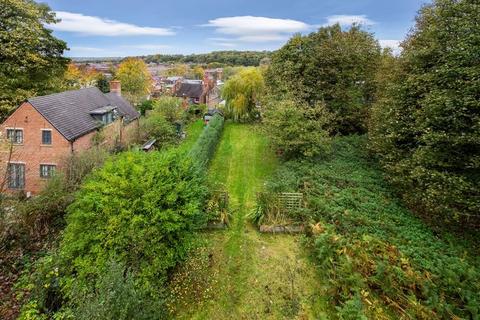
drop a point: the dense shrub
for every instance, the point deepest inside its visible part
(426, 127)
(297, 129)
(380, 260)
(140, 210)
(162, 120)
(156, 126)
(331, 66)
(206, 144)
(116, 298)
(169, 107)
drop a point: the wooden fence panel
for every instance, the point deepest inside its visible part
(290, 201)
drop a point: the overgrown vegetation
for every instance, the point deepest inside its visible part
(333, 67)
(426, 125)
(29, 227)
(135, 211)
(297, 129)
(163, 119)
(138, 213)
(380, 260)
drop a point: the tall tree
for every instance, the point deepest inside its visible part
(331, 66)
(135, 78)
(426, 128)
(241, 92)
(31, 58)
(198, 72)
(102, 83)
(297, 129)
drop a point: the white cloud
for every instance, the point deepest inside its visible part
(86, 49)
(392, 44)
(222, 42)
(348, 20)
(256, 29)
(89, 25)
(147, 46)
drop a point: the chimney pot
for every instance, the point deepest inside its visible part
(115, 87)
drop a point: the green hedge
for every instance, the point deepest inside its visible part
(206, 144)
(379, 259)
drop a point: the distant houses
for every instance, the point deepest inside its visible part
(204, 91)
(44, 130)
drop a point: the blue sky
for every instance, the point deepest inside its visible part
(96, 28)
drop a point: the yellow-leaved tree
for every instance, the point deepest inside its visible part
(135, 78)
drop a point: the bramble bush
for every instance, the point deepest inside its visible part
(380, 260)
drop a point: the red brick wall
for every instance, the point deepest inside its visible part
(32, 153)
(84, 142)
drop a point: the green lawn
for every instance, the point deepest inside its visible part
(193, 131)
(240, 273)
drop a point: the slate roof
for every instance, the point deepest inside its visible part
(190, 90)
(69, 111)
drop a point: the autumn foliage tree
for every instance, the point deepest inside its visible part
(31, 58)
(135, 78)
(426, 126)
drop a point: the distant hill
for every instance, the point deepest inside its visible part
(237, 58)
(222, 58)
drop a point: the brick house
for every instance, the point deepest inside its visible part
(45, 130)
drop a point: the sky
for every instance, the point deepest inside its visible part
(109, 28)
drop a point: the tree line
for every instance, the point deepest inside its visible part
(215, 59)
(420, 109)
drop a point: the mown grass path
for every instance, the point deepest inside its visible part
(245, 274)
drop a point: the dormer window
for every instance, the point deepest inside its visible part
(105, 115)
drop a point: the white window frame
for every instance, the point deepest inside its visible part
(50, 173)
(14, 130)
(18, 187)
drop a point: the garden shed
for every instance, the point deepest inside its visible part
(210, 114)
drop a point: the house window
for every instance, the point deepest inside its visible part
(46, 136)
(15, 136)
(16, 175)
(47, 170)
(106, 118)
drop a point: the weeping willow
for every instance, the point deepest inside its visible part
(241, 92)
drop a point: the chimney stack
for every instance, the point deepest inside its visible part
(116, 87)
